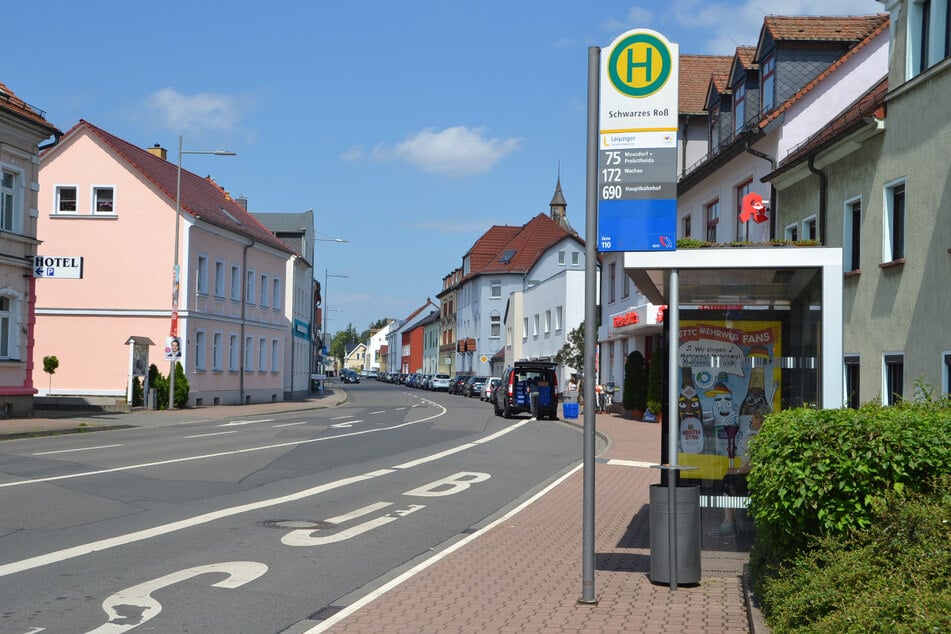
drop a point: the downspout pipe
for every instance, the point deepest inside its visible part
(823, 196)
(748, 146)
(244, 311)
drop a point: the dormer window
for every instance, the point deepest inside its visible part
(739, 105)
(769, 82)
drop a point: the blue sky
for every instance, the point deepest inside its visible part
(409, 127)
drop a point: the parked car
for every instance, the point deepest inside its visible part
(441, 382)
(456, 386)
(519, 381)
(489, 387)
(349, 376)
(474, 386)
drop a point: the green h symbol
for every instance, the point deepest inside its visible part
(646, 65)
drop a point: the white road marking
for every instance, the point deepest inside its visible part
(349, 423)
(379, 411)
(159, 463)
(340, 417)
(236, 423)
(630, 463)
(217, 433)
(303, 422)
(379, 592)
(50, 453)
(145, 607)
(318, 537)
(435, 456)
(352, 515)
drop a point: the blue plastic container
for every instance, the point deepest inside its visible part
(570, 410)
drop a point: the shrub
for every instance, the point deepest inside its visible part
(655, 381)
(138, 397)
(181, 386)
(892, 577)
(635, 382)
(158, 381)
(826, 473)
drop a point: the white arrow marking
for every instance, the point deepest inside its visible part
(349, 423)
(130, 608)
(245, 422)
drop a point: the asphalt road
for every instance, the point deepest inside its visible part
(253, 525)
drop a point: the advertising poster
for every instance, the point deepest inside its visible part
(729, 381)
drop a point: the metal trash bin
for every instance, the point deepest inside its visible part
(687, 520)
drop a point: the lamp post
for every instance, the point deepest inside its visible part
(175, 268)
(323, 296)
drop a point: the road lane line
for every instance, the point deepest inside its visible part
(499, 434)
(50, 453)
(164, 529)
(217, 433)
(303, 422)
(220, 454)
(236, 423)
(435, 456)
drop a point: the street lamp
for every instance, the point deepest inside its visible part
(323, 298)
(175, 269)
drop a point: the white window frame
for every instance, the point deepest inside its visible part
(890, 253)
(220, 279)
(200, 351)
(264, 287)
(888, 359)
(94, 202)
(946, 372)
(58, 200)
(917, 60)
(575, 258)
(249, 291)
(495, 288)
(806, 223)
(201, 278)
(233, 352)
(524, 328)
(276, 303)
(561, 258)
(217, 354)
(275, 357)
(262, 354)
(535, 324)
(11, 199)
(548, 321)
(235, 283)
(248, 352)
(495, 326)
(559, 314)
(792, 232)
(10, 324)
(848, 234)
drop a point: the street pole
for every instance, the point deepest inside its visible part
(176, 278)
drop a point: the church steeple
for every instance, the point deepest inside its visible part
(559, 206)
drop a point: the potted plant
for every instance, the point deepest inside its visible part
(655, 384)
(634, 397)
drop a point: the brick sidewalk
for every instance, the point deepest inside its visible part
(524, 574)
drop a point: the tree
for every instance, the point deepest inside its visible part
(338, 346)
(655, 381)
(181, 386)
(50, 364)
(572, 352)
(635, 382)
(374, 326)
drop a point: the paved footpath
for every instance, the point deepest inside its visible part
(523, 572)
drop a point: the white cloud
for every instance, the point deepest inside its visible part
(457, 151)
(204, 111)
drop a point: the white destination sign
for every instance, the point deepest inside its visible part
(63, 267)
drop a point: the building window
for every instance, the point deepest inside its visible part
(714, 129)
(852, 381)
(739, 105)
(894, 378)
(249, 292)
(274, 356)
(792, 233)
(687, 229)
(262, 354)
(711, 214)
(220, 279)
(768, 72)
(561, 258)
(495, 326)
(929, 31)
(217, 354)
(248, 352)
(525, 328)
(66, 200)
(853, 235)
(235, 283)
(277, 294)
(535, 326)
(102, 200)
(202, 273)
(894, 222)
(233, 353)
(742, 228)
(9, 344)
(809, 229)
(625, 286)
(199, 350)
(559, 310)
(495, 289)
(547, 322)
(264, 296)
(10, 200)
(612, 282)
(575, 258)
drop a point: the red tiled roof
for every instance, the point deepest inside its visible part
(696, 72)
(745, 55)
(201, 197)
(818, 28)
(881, 27)
(525, 245)
(11, 103)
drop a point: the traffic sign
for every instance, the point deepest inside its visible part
(63, 267)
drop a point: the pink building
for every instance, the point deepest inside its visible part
(22, 129)
(114, 205)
